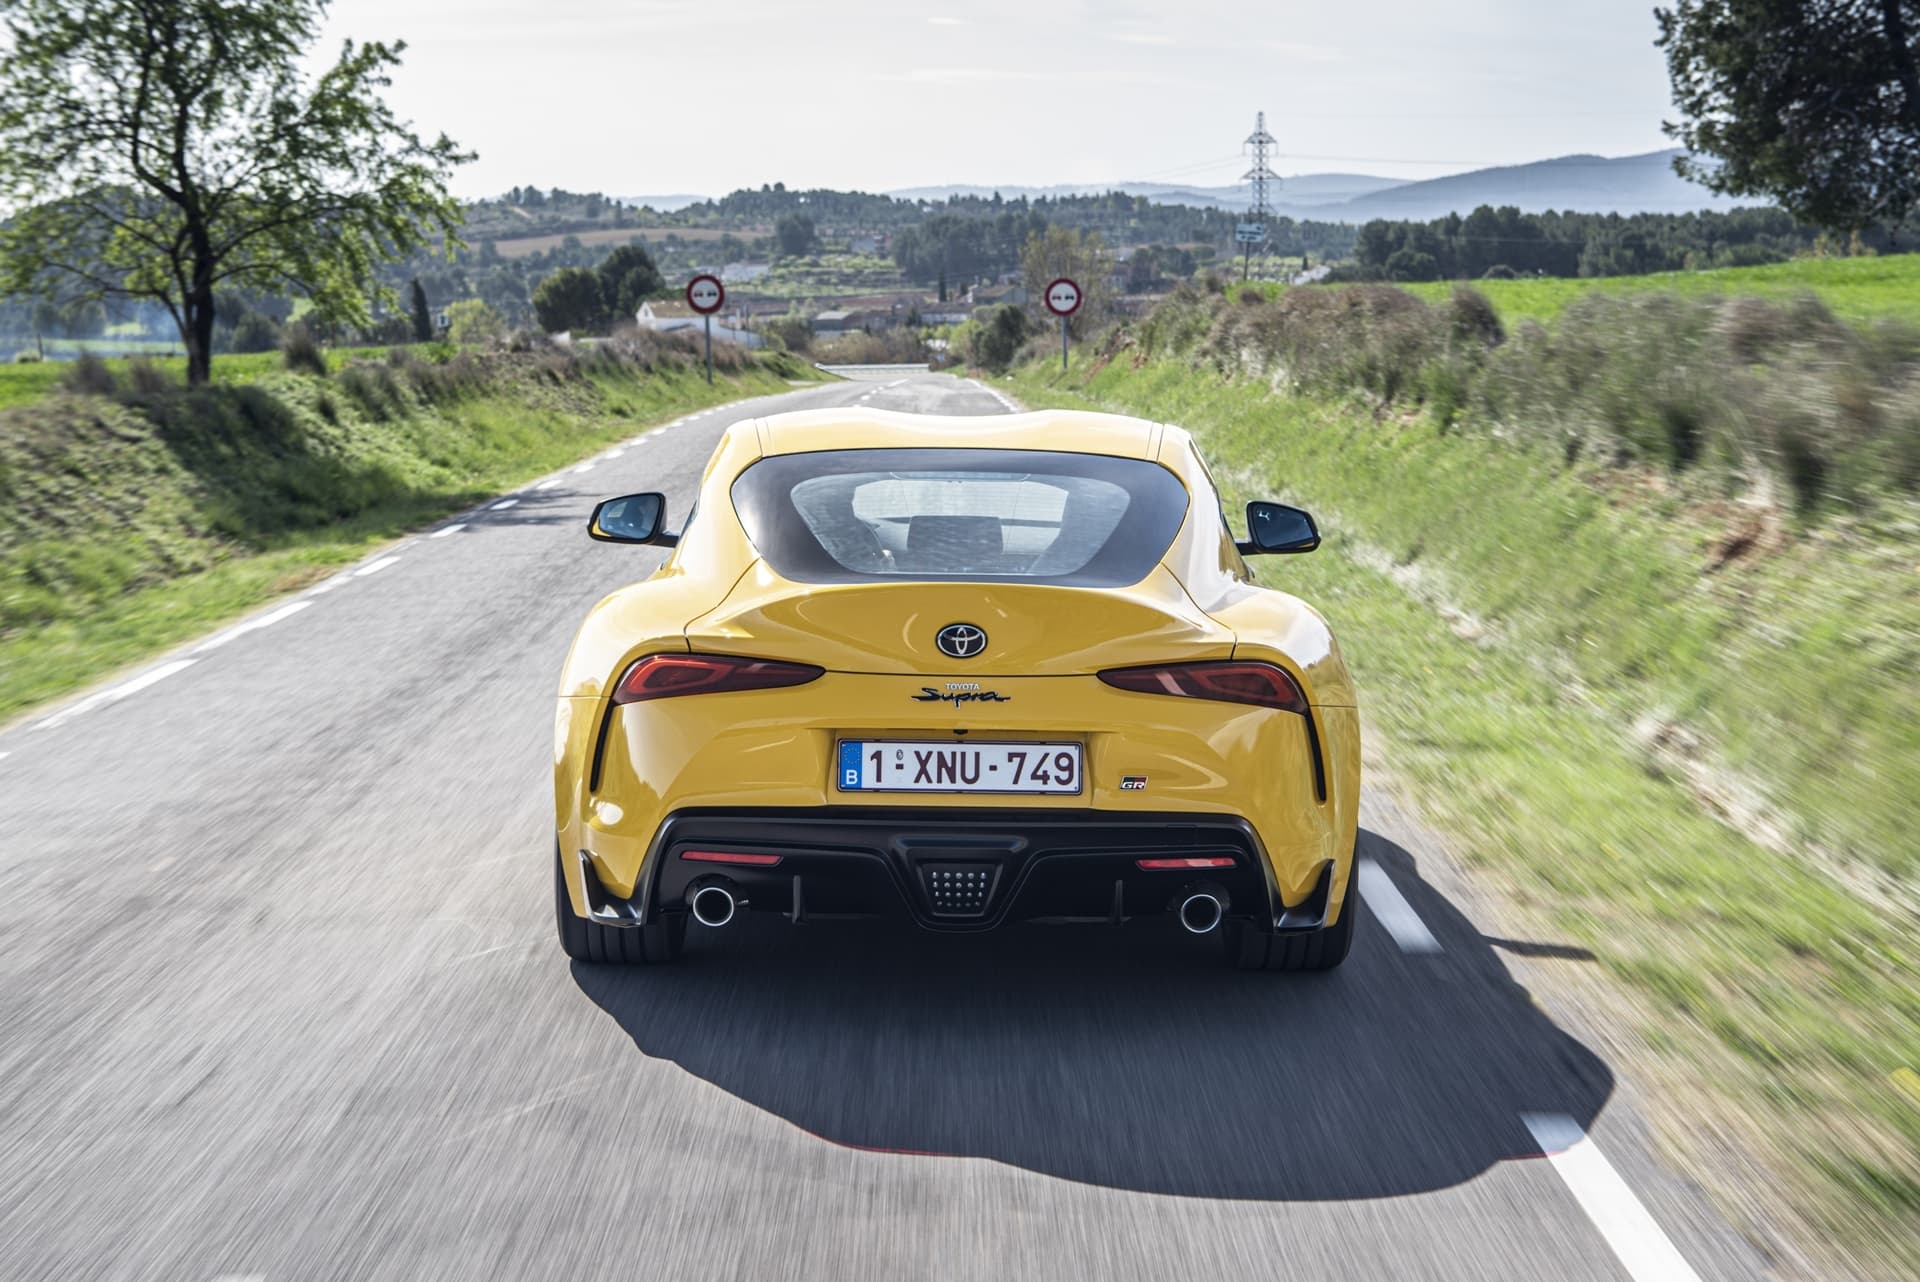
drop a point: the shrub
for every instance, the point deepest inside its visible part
(89, 376)
(255, 333)
(995, 339)
(148, 379)
(792, 332)
(300, 351)
(471, 321)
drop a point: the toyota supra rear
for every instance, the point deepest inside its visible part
(962, 671)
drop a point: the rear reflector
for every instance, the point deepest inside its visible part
(728, 857)
(664, 676)
(1170, 865)
(1261, 684)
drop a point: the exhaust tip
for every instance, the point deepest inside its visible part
(713, 905)
(1201, 912)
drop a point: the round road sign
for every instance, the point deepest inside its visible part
(706, 295)
(1063, 297)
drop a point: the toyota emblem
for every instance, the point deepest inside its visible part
(960, 640)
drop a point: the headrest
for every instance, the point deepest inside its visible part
(958, 541)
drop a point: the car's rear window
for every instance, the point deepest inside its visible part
(988, 515)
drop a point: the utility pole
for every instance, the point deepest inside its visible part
(1259, 144)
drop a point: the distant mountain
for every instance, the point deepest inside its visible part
(1589, 184)
(1304, 190)
(664, 204)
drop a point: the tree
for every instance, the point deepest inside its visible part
(1080, 255)
(994, 340)
(794, 233)
(627, 278)
(472, 321)
(422, 318)
(166, 149)
(1814, 104)
(570, 299)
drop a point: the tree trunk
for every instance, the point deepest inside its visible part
(196, 330)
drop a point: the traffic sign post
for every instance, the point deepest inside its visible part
(1063, 300)
(1249, 235)
(706, 295)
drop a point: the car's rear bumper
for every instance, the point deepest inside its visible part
(959, 870)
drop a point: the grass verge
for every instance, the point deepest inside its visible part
(128, 526)
(1860, 290)
(1509, 624)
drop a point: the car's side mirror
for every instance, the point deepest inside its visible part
(632, 518)
(1275, 527)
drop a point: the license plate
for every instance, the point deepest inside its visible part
(887, 765)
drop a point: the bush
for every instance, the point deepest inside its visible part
(89, 376)
(792, 332)
(147, 379)
(255, 333)
(995, 339)
(26, 358)
(300, 351)
(471, 321)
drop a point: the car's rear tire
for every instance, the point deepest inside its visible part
(1312, 950)
(589, 941)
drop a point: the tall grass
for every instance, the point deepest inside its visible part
(1739, 394)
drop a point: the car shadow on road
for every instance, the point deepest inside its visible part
(1132, 1058)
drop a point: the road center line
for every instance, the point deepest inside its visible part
(374, 567)
(1391, 910)
(503, 505)
(253, 625)
(445, 530)
(1641, 1245)
(113, 694)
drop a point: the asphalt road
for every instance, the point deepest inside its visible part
(280, 999)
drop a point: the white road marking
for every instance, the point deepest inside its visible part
(445, 530)
(374, 567)
(584, 467)
(1392, 910)
(253, 625)
(613, 454)
(1641, 1245)
(113, 694)
(503, 505)
(547, 485)
(5, 755)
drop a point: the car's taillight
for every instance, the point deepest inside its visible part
(729, 857)
(664, 676)
(1256, 683)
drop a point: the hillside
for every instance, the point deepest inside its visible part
(1593, 184)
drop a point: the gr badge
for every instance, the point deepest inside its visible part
(1133, 783)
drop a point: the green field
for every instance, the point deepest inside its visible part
(1855, 289)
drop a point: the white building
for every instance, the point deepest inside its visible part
(667, 317)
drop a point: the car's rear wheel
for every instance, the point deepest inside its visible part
(589, 941)
(1312, 950)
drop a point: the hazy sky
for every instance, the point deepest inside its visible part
(637, 97)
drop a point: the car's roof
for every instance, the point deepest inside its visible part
(1065, 431)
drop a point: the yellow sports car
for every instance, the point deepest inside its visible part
(969, 671)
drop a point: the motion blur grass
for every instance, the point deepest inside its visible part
(130, 524)
(1699, 768)
(1856, 289)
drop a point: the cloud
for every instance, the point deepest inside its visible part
(947, 22)
(1141, 38)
